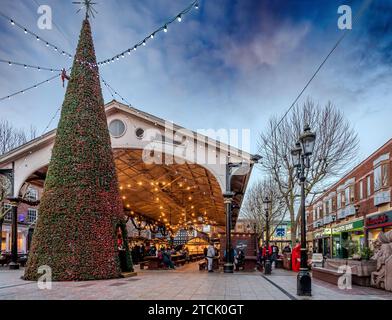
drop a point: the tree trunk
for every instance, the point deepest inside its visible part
(293, 228)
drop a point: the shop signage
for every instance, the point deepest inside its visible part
(323, 233)
(280, 232)
(382, 218)
(348, 226)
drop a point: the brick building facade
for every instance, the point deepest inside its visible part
(350, 214)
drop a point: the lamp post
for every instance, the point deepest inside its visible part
(301, 157)
(14, 265)
(267, 268)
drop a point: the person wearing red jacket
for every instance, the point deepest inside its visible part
(265, 253)
(296, 258)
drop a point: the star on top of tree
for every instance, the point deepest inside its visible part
(88, 5)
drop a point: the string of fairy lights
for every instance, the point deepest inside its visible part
(190, 216)
(163, 28)
(27, 31)
(34, 86)
(39, 68)
(50, 45)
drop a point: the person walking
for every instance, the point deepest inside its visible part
(210, 257)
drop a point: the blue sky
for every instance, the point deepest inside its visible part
(230, 64)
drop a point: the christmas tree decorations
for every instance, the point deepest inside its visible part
(76, 233)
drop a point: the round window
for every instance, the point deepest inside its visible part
(117, 128)
(139, 133)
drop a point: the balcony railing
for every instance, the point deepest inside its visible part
(346, 212)
(382, 197)
(328, 219)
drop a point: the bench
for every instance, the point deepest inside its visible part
(327, 275)
(332, 276)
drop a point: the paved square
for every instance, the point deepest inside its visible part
(184, 283)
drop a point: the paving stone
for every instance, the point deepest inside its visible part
(185, 284)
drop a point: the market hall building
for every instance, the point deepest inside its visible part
(349, 216)
(168, 175)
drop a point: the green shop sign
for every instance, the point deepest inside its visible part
(348, 227)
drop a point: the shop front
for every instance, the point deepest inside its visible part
(322, 242)
(375, 224)
(7, 239)
(348, 239)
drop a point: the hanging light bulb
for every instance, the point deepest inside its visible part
(37, 38)
(197, 6)
(179, 18)
(152, 36)
(144, 42)
(25, 31)
(165, 29)
(134, 48)
(9, 63)
(12, 22)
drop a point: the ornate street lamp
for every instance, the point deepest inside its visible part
(267, 267)
(301, 159)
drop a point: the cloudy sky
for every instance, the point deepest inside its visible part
(230, 64)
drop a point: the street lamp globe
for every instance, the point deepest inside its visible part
(296, 154)
(307, 140)
(266, 203)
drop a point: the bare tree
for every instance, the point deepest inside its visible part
(11, 137)
(335, 149)
(253, 208)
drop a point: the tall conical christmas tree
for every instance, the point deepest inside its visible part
(81, 206)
